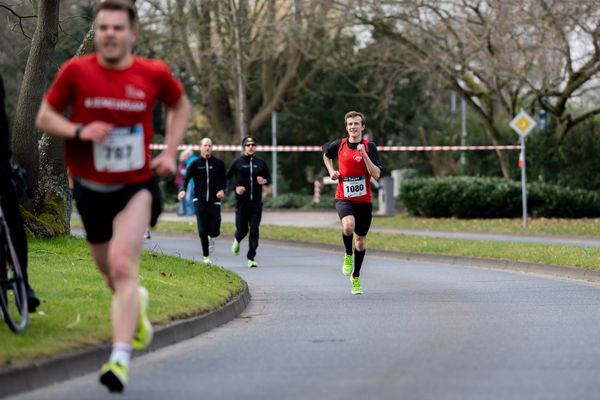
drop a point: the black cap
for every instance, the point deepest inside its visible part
(249, 140)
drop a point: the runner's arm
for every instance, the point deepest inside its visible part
(373, 169)
(371, 164)
(265, 174)
(333, 174)
(51, 122)
(330, 151)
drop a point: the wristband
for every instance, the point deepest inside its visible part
(78, 132)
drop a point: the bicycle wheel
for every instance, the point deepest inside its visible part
(13, 297)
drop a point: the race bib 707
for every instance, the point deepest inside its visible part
(123, 150)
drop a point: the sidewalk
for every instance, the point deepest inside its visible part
(315, 219)
(329, 219)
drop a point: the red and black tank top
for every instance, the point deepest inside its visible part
(354, 183)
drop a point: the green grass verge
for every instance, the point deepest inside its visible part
(75, 300)
(581, 257)
(546, 226)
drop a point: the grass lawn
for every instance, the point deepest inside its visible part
(75, 300)
(545, 226)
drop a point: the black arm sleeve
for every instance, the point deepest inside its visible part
(188, 175)
(331, 149)
(374, 156)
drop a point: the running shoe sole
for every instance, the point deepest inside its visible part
(111, 379)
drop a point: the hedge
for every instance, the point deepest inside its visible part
(476, 197)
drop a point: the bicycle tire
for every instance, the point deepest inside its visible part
(13, 295)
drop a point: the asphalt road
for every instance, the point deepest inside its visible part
(420, 331)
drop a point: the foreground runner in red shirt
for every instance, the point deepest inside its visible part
(111, 94)
(358, 161)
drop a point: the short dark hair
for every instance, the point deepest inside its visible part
(118, 5)
(352, 114)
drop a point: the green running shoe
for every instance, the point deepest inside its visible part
(143, 335)
(235, 247)
(348, 264)
(252, 264)
(206, 260)
(114, 376)
(356, 286)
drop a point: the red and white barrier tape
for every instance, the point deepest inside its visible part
(279, 148)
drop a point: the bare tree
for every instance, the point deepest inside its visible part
(25, 136)
(500, 55)
(53, 186)
(248, 57)
(42, 156)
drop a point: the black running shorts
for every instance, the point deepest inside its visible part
(98, 209)
(362, 212)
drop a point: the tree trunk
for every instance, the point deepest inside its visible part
(53, 185)
(25, 136)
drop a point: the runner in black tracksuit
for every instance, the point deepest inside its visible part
(208, 173)
(251, 173)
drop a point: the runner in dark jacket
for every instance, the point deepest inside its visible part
(208, 174)
(251, 174)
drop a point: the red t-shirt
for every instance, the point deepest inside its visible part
(354, 183)
(124, 98)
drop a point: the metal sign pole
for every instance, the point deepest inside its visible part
(524, 181)
(522, 124)
(274, 153)
(463, 135)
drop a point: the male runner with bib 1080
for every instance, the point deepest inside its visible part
(111, 94)
(358, 161)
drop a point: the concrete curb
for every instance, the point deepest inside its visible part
(14, 380)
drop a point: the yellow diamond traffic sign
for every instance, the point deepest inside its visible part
(522, 123)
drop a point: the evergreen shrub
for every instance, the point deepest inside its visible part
(480, 197)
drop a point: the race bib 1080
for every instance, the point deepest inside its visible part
(122, 151)
(354, 186)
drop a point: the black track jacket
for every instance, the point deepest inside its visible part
(209, 177)
(246, 169)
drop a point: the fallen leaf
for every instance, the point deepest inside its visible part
(74, 323)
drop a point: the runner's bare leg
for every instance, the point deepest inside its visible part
(118, 260)
(348, 225)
